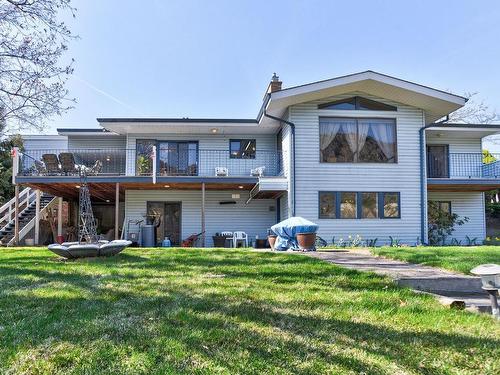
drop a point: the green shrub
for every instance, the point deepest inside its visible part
(441, 223)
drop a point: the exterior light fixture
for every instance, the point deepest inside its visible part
(214, 130)
(77, 186)
(166, 186)
(240, 187)
(108, 158)
(107, 200)
(490, 278)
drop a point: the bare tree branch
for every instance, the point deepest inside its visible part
(32, 80)
(474, 112)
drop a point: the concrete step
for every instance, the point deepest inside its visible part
(443, 285)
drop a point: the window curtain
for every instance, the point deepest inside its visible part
(349, 130)
(329, 130)
(383, 133)
(363, 129)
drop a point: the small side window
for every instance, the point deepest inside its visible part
(327, 205)
(369, 206)
(242, 148)
(391, 206)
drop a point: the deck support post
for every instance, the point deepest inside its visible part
(37, 217)
(203, 214)
(16, 214)
(59, 216)
(117, 210)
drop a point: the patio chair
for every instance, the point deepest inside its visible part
(51, 164)
(68, 165)
(240, 237)
(229, 237)
(257, 172)
(221, 172)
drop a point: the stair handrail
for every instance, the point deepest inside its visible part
(30, 224)
(25, 196)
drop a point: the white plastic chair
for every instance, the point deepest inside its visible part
(229, 237)
(221, 171)
(240, 237)
(257, 172)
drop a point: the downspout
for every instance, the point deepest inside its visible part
(423, 180)
(292, 156)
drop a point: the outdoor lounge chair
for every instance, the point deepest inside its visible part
(51, 164)
(68, 165)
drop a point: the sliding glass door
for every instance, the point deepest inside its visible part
(178, 158)
(168, 220)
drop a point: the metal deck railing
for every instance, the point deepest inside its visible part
(465, 165)
(129, 162)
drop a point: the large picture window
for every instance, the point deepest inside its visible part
(359, 205)
(363, 140)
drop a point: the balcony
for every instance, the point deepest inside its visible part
(463, 171)
(129, 162)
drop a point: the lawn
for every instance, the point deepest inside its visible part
(162, 311)
(454, 258)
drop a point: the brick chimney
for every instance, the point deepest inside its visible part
(275, 84)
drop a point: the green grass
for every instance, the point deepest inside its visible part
(454, 258)
(162, 311)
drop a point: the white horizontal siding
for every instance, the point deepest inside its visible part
(208, 161)
(404, 177)
(284, 212)
(49, 142)
(456, 144)
(273, 183)
(466, 204)
(99, 142)
(253, 218)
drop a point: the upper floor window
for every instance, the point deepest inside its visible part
(362, 140)
(143, 156)
(357, 103)
(242, 148)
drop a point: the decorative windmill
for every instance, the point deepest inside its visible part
(87, 227)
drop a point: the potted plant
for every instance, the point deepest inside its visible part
(271, 238)
(306, 241)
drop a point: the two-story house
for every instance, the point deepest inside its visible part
(360, 155)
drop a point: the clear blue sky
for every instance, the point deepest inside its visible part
(215, 58)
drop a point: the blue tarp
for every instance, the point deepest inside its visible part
(288, 229)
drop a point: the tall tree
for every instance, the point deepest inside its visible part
(32, 77)
(6, 187)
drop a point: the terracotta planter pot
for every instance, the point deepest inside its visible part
(271, 239)
(306, 241)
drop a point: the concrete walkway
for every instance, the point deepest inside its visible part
(450, 287)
